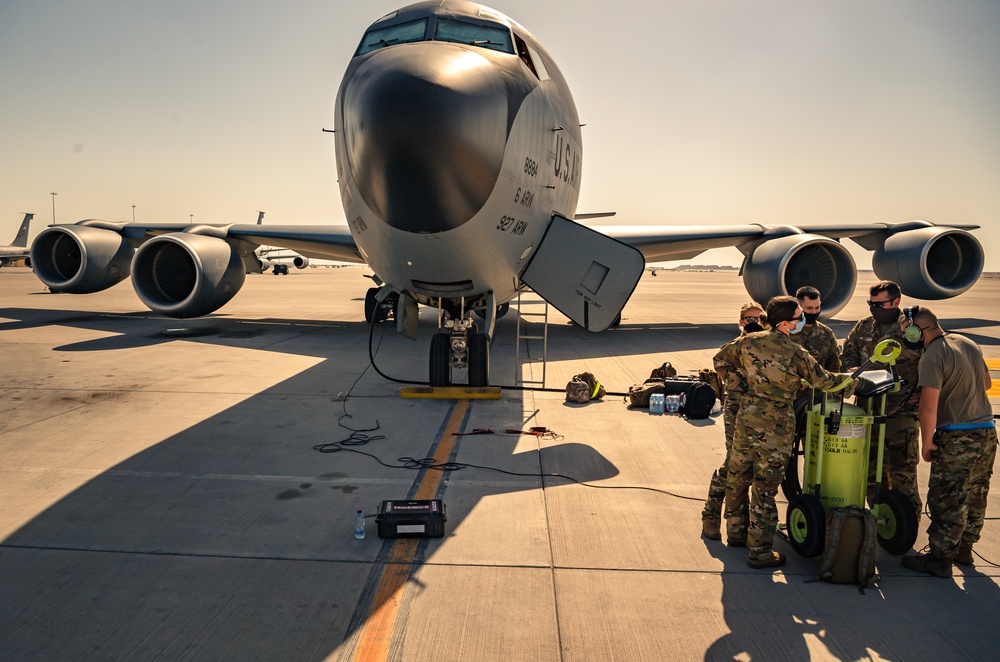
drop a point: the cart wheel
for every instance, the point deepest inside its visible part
(806, 522)
(897, 523)
(791, 486)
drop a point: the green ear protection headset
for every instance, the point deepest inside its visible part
(912, 332)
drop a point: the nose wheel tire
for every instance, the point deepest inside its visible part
(479, 360)
(440, 361)
(897, 522)
(806, 522)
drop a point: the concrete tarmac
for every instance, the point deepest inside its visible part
(161, 497)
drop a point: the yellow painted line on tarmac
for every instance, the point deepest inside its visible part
(994, 366)
(376, 636)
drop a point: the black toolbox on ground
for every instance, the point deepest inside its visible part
(413, 519)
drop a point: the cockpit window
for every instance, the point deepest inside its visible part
(496, 38)
(392, 35)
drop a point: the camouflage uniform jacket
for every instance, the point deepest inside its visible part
(774, 366)
(727, 366)
(859, 347)
(821, 342)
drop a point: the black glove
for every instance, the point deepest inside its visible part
(864, 387)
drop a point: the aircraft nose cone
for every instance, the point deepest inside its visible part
(425, 128)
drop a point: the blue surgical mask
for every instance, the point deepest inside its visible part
(799, 325)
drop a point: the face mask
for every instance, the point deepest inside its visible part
(811, 317)
(798, 325)
(751, 327)
(885, 315)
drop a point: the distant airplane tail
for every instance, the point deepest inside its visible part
(21, 238)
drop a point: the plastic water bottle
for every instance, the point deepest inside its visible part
(359, 525)
(656, 403)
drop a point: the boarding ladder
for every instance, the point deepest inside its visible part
(528, 305)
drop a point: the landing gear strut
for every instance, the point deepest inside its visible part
(459, 345)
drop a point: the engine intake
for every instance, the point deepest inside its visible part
(300, 262)
(186, 275)
(80, 259)
(930, 263)
(783, 265)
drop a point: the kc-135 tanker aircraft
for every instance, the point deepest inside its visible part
(18, 248)
(459, 154)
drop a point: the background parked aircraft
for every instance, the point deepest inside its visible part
(17, 250)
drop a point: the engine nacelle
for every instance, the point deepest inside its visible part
(80, 259)
(187, 275)
(264, 264)
(930, 263)
(300, 262)
(783, 265)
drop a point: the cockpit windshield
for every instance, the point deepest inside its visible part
(392, 35)
(496, 38)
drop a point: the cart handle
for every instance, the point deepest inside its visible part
(887, 351)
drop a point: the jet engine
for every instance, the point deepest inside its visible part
(300, 262)
(930, 263)
(186, 275)
(80, 259)
(784, 264)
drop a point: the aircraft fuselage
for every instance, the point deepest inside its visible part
(454, 150)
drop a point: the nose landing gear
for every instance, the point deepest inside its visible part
(459, 346)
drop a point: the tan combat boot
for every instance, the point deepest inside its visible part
(710, 530)
(928, 563)
(964, 555)
(775, 560)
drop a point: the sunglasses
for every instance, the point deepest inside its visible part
(795, 319)
(751, 319)
(878, 304)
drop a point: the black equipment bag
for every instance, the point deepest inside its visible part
(699, 401)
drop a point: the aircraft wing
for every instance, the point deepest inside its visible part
(665, 243)
(323, 242)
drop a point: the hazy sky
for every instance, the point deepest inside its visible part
(697, 111)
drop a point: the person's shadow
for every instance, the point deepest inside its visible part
(760, 607)
(784, 614)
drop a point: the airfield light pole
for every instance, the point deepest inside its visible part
(53, 194)
(133, 213)
(191, 216)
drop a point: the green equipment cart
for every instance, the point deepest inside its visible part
(832, 442)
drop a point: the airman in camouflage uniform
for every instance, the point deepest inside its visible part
(901, 430)
(818, 339)
(958, 437)
(765, 428)
(726, 363)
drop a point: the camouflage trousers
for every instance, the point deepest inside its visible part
(762, 444)
(712, 512)
(900, 458)
(958, 487)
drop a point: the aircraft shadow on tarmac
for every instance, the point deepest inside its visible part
(566, 341)
(242, 502)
